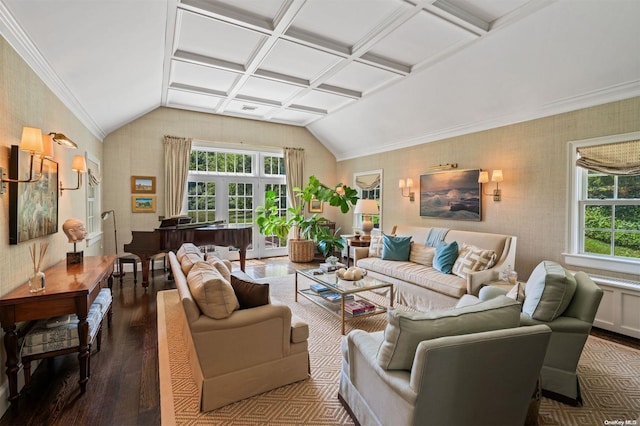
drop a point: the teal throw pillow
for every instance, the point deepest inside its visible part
(446, 255)
(395, 248)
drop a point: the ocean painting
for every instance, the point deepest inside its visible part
(451, 195)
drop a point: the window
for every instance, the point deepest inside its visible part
(605, 214)
(94, 221)
(369, 186)
(227, 185)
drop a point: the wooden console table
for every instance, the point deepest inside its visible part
(68, 290)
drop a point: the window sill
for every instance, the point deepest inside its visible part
(93, 238)
(605, 264)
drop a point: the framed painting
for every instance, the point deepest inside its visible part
(33, 206)
(143, 203)
(315, 206)
(451, 195)
(143, 184)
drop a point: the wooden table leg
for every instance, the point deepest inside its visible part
(145, 271)
(243, 259)
(13, 365)
(83, 352)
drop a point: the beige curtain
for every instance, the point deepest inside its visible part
(294, 168)
(177, 152)
(622, 159)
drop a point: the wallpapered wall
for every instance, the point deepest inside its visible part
(138, 149)
(26, 101)
(533, 158)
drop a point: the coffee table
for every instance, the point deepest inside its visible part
(343, 288)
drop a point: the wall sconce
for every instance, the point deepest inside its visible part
(402, 184)
(79, 165)
(496, 177)
(38, 146)
(63, 140)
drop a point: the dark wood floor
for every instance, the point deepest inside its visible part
(123, 389)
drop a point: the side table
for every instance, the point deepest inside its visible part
(352, 242)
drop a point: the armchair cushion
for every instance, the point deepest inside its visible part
(405, 330)
(213, 294)
(250, 294)
(548, 292)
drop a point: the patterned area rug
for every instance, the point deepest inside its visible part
(609, 372)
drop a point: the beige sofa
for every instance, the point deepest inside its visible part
(246, 353)
(421, 286)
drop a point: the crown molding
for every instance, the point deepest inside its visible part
(22, 44)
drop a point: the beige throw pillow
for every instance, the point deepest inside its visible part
(472, 259)
(221, 266)
(375, 246)
(422, 254)
(213, 294)
(188, 260)
(186, 248)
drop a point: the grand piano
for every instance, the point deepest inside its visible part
(173, 232)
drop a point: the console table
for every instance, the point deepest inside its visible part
(68, 290)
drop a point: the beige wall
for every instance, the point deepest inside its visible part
(137, 149)
(533, 157)
(26, 101)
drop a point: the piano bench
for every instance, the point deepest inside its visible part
(129, 258)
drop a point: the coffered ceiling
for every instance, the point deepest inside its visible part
(362, 75)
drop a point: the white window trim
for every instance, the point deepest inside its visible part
(572, 244)
(357, 219)
(95, 236)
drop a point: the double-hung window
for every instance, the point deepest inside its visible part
(604, 205)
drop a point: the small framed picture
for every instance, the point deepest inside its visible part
(143, 203)
(315, 206)
(143, 184)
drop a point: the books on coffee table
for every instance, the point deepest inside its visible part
(330, 267)
(359, 307)
(335, 297)
(318, 288)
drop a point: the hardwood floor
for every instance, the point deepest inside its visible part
(123, 389)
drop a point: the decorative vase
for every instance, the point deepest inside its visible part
(36, 282)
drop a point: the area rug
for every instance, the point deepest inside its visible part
(609, 373)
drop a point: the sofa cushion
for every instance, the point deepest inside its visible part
(188, 260)
(186, 248)
(250, 294)
(445, 256)
(422, 254)
(548, 291)
(395, 248)
(221, 266)
(213, 294)
(375, 246)
(472, 259)
(405, 330)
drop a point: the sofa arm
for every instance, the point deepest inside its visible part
(359, 253)
(491, 292)
(299, 330)
(475, 280)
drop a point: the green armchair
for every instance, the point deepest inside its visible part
(559, 378)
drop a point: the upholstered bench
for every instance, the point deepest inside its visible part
(59, 336)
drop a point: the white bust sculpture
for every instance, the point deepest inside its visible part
(74, 229)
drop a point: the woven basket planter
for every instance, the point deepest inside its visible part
(301, 251)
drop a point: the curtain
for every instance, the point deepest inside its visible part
(622, 159)
(294, 168)
(93, 176)
(177, 152)
(368, 182)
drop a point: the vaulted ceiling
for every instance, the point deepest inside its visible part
(362, 75)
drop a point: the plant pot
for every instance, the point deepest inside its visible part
(301, 250)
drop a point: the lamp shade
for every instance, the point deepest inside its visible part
(31, 140)
(401, 183)
(79, 164)
(365, 206)
(47, 145)
(483, 177)
(409, 183)
(496, 176)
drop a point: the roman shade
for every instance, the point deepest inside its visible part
(622, 159)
